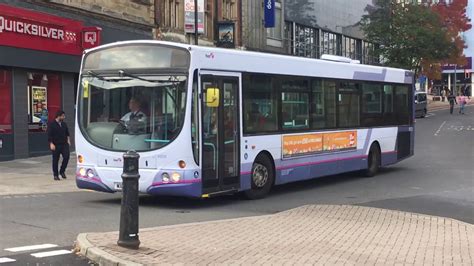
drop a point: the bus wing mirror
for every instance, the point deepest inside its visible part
(212, 97)
(85, 85)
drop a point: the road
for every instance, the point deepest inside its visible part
(438, 180)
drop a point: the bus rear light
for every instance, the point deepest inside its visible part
(182, 164)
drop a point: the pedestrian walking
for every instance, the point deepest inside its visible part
(462, 102)
(443, 95)
(452, 101)
(59, 142)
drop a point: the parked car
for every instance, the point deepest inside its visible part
(421, 104)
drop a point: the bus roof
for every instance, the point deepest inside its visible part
(221, 59)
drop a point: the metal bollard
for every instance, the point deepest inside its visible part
(128, 235)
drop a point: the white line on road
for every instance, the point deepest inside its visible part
(5, 260)
(439, 129)
(51, 253)
(25, 248)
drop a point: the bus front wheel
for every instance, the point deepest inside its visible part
(373, 161)
(262, 178)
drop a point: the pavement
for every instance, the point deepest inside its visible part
(311, 234)
(34, 176)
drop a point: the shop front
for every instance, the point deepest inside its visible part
(40, 57)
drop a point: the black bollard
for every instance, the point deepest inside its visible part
(128, 235)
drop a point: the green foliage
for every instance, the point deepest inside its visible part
(407, 34)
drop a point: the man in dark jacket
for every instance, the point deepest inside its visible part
(452, 101)
(59, 142)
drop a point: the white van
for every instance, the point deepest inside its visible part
(421, 104)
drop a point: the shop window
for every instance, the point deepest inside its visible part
(5, 102)
(44, 99)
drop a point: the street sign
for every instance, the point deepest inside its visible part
(189, 16)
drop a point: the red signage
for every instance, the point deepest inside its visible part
(39, 31)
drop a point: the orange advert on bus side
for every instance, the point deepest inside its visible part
(295, 145)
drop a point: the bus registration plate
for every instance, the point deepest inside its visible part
(118, 185)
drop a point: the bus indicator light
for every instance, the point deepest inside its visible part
(182, 164)
(80, 159)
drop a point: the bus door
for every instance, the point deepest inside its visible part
(220, 132)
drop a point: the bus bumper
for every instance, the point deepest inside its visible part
(187, 189)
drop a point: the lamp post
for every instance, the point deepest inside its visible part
(196, 22)
(454, 89)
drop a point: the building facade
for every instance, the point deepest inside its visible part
(309, 28)
(41, 43)
(219, 22)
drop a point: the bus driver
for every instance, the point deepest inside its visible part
(135, 120)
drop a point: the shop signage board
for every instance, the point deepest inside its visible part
(189, 16)
(40, 31)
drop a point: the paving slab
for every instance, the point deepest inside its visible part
(311, 234)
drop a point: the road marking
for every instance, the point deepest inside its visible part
(5, 260)
(25, 248)
(51, 253)
(439, 129)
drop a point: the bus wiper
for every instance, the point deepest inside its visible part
(126, 74)
(95, 75)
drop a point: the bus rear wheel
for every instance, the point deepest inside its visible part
(261, 179)
(373, 161)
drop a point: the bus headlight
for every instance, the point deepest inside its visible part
(175, 177)
(82, 171)
(165, 177)
(90, 173)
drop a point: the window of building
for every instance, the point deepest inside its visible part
(275, 34)
(229, 10)
(305, 41)
(260, 104)
(323, 104)
(348, 106)
(5, 102)
(294, 103)
(173, 14)
(44, 99)
(331, 43)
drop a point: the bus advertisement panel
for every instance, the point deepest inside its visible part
(304, 144)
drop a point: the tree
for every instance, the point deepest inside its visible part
(455, 20)
(407, 34)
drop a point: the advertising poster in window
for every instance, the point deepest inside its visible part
(299, 145)
(226, 34)
(39, 105)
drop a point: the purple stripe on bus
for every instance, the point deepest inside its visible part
(180, 182)
(320, 162)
